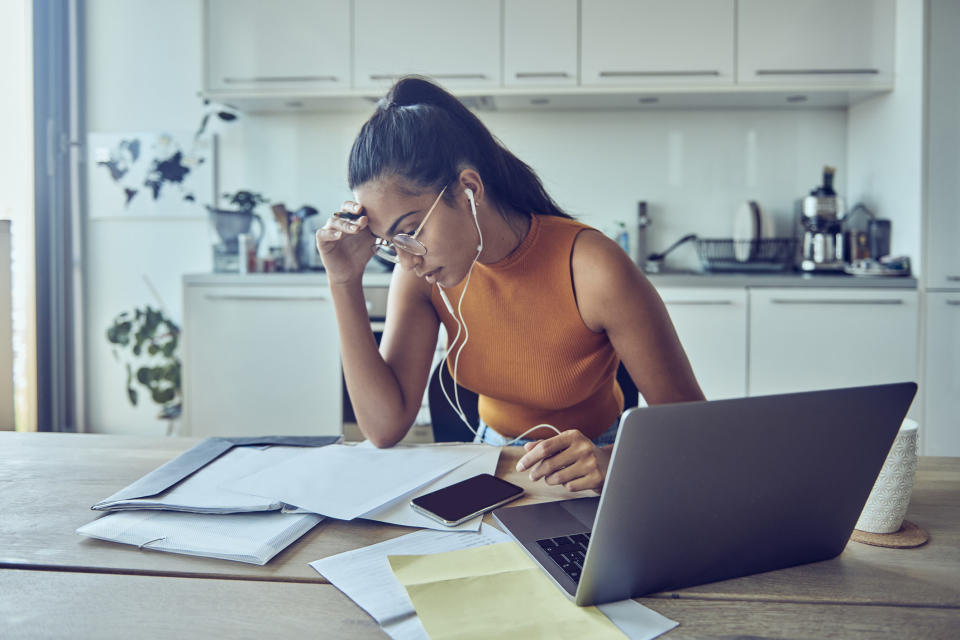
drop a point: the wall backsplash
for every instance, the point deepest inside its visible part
(694, 167)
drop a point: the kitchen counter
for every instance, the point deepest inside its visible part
(663, 279)
(786, 279)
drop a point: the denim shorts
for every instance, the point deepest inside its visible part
(488, 435)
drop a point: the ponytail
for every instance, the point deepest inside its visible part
(422, 133)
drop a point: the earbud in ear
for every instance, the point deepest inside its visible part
(469, 193)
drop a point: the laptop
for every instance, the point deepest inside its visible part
(705, 491)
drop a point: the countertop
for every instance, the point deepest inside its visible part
(664, 279)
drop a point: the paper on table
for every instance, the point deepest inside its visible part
(480, 593)
(344, 482)
(207, 490)
(364, 575)
(399, 512)
(245, 537)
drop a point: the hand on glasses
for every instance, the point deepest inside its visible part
(345, 244)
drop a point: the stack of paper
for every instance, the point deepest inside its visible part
(364, 575)
(479, 592)
(243, 537)
(208, 490)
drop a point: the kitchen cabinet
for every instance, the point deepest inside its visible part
(940, 430)
(712, 326)
(943, 147)
(540, 43)
(815, 42)
(260, 359)
(650, 42)
(459, 48)
(801, 340)
(281, 46)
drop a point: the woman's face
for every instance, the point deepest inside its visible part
(449, 235)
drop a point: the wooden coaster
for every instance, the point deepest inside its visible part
(909, 535)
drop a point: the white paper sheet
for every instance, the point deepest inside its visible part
(244, 537)
(208, 489)
(636, 620)
(364, 575)
(399, 512)
(344, 482)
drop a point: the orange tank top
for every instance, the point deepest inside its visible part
(529, 355)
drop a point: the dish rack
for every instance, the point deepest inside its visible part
(764, 254)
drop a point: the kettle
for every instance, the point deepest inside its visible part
(307, 254)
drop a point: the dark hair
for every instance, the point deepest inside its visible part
(424, 134)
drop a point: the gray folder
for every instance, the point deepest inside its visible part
(189, 462)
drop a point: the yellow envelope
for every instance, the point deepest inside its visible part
(495, 591)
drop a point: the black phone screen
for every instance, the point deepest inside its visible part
(467, 497)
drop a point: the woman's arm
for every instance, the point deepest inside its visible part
(614, 297)
(386, 385)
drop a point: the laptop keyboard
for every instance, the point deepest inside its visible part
(568, 552)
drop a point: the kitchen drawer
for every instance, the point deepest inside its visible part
(712, 326)
(808, 339)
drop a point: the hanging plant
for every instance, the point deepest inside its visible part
(152, 337)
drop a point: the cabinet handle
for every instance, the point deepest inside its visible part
(953, 303)
(828, 301)
(700, 302)
(261, 298)
(439, 76)
(541, 74)
(655, 74)
(281, 79)
(816, 72)
(953, 278)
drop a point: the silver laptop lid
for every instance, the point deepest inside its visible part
(706, 491)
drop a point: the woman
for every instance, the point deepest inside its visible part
(539, 308)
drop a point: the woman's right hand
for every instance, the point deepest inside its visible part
(345, 244)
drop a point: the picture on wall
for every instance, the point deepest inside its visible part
(149, 174)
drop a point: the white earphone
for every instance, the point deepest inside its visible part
(462, 329)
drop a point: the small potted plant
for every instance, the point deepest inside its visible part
(152, 339)
(230, 223)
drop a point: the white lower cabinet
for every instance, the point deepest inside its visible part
(806, 339)
(712, 326)
(940, 430)
(260, 360)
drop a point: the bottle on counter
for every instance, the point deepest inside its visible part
(623, 237)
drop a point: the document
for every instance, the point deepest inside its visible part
(197, 457)
(207, 490)
(482, 592)
(399, 512)
(243, 537)
(364, 575)
(346, 482)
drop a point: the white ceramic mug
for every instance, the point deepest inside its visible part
(890, 497)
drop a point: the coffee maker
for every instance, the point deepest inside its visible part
(820, 228)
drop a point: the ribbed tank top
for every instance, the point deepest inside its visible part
(529, 356)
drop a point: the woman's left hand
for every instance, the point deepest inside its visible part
(569, 458)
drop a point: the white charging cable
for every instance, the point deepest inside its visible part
(462, 328)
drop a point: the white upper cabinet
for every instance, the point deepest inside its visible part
(281, 46)
(791, 42)
(712, 326)
(802, 340)
(539, 43)
(454, 42)
(652, 42)
(943, 147)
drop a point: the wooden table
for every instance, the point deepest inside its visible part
(55, 583)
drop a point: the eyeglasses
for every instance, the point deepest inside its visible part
(387, 249)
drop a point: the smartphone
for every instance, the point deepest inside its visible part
(464, 500)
